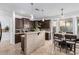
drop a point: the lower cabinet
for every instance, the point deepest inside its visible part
(47, 36)
(18, 38)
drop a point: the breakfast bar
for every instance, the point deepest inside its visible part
(32, 41)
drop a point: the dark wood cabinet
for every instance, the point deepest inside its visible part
(47, 36)
(17, 38)
(19, 23)
(43, 24)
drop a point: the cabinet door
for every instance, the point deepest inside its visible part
(19, 23)
(17, 38)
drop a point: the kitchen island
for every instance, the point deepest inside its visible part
(32, 41)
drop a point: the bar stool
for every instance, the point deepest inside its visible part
(71, 40)
(58, 39)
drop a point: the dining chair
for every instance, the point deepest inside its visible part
(71, 42)
(58, 40)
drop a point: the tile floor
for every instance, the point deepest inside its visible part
(47, 49)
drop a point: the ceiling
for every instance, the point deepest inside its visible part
(50, 9)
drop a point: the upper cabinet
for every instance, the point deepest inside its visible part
(46, 24)
(22, 23)
(42, 24)
(19, 23)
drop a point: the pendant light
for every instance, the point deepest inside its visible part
(62, 14)
(62, 21)
(32, 11)
(43, 14)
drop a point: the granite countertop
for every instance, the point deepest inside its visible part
(29, 32)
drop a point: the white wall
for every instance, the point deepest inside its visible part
(74, 25)
(6, 20)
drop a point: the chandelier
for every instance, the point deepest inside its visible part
(36, 9)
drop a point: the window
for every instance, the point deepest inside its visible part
(66, 25)
(54, 26)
